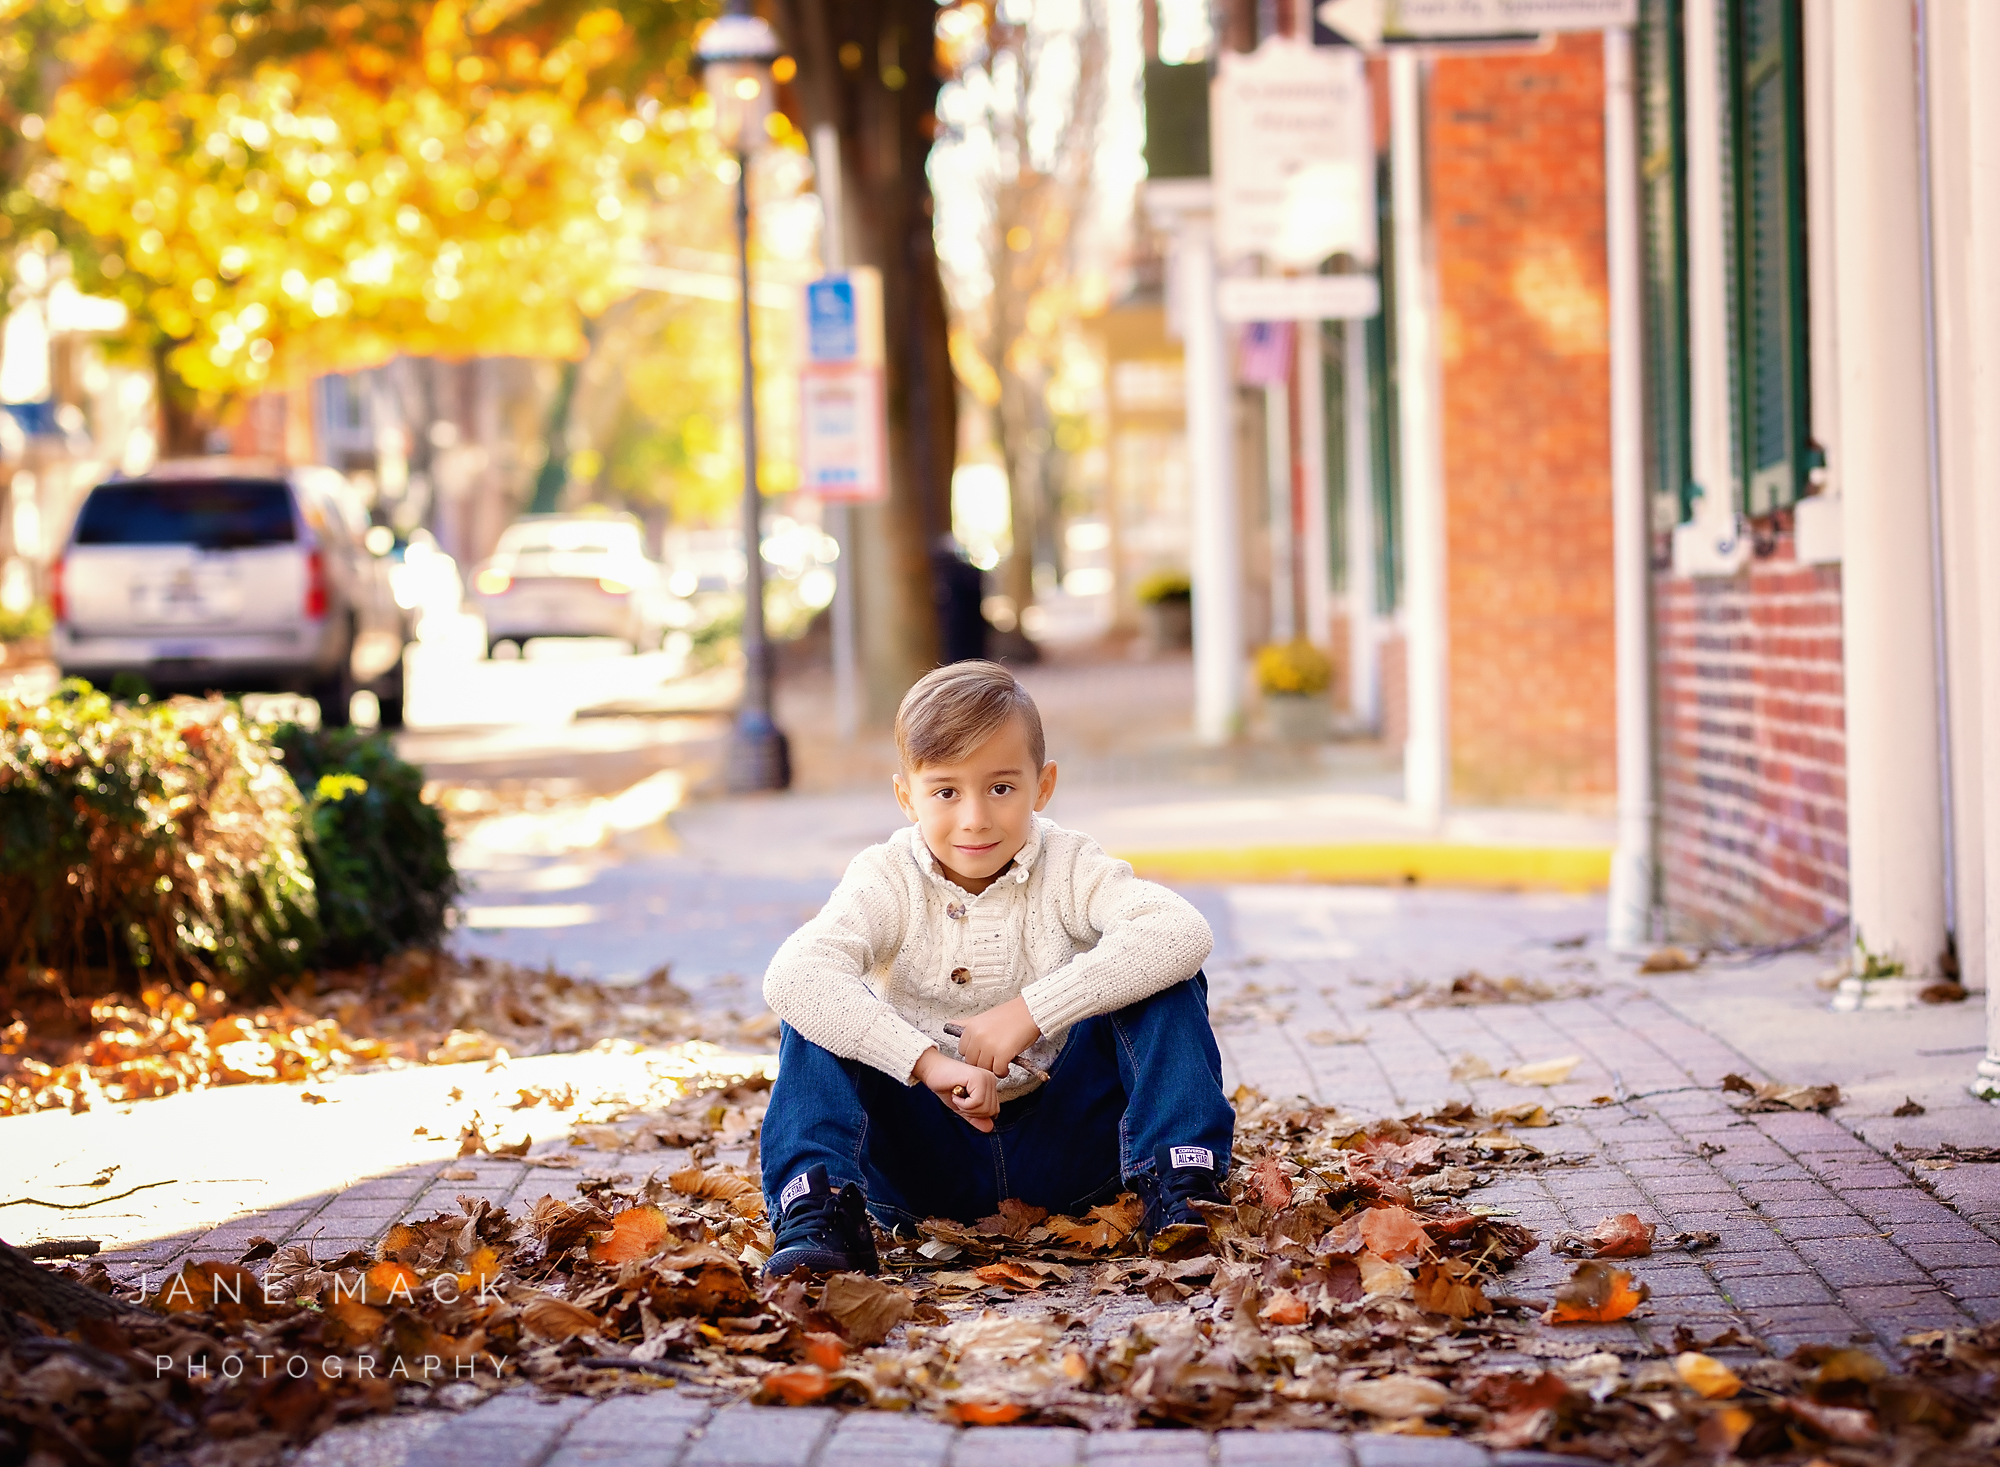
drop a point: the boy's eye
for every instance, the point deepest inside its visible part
(944, 794)
(1003, 789)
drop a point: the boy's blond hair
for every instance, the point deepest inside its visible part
(952, 711)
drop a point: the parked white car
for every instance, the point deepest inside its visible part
(575, 576)
(229, 575)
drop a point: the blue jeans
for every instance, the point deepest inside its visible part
(1124, 1083)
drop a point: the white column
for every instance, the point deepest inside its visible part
(1982, 123)
(839, 517)
(1216, 567)
(1278, 503)
(1364, 674)
(1315, 549)
(1712, 459)
(1894, 825)
(1427, 754)
(1629, 921)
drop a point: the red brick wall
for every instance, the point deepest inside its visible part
(1752, 754)
(1517, 187)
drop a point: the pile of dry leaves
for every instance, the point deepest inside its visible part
(1346, 1284)
(1474, 989)
(68, 1050)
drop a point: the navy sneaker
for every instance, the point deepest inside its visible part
(822, 1230)
(1181, 1177)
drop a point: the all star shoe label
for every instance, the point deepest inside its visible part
(1191, 1156)
(796, 1188)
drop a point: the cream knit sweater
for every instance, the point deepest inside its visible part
(900, 950)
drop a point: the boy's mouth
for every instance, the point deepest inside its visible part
(976, 850)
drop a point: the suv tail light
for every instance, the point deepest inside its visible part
(315, 585)
(58, 603)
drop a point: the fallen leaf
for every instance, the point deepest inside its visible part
(1524, 1409)
(1468, 1067)
(1771, 1096)
(390, 1282)
(1283, 1307)
(355, 1323)
(1542, 1072)
(458, 1174)
(1669, 960)
(1720, 1431)
(1848, 1425)
(1706, 1376)
(866, 1309)
(986, 1413)
(470, 1142)
(1690, 1242)
(1450, 1287)
(828, 1352)
(637, 1232)
(1396, 1397)
(311, 1098)
(1014, 1221)
(1104, 1228)
(1021, 1275)
(1393, 1233)
(514, 1148)
(556, 1319)
(1337, 1036)
(1623, 1236)
(1596, 1293)
(260, 1247)
(744, 1195)
(1909, 1107)
(483, 1267)
(796, 1387)
(1529, 1113)
(1269, 1187)
(1381, 1279)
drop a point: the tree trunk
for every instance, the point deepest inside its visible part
(880, 96)
(184, 422)
(26, 1288)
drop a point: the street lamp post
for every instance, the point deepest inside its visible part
(736, 53)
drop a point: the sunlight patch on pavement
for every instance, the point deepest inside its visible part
(1293, 922)
(569, 828)
(550, 914)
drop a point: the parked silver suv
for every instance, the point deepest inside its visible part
(231, 575)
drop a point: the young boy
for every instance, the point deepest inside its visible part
(1085, 1064)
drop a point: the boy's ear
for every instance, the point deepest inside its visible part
(903, 799)
(1045, 787)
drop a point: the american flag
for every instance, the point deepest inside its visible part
(1264, 354)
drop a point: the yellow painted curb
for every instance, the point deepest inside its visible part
(1436, 863)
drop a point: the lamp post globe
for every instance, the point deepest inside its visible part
(736, 53)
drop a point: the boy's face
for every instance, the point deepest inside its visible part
(977, 813)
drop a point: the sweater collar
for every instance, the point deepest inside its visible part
(1017, 872)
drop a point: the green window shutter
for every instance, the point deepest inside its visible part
(1772, 379)
(1663, 207)
(1385, 457)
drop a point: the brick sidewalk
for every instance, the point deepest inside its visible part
(1822, 1237)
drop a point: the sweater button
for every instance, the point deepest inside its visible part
(956, 911)
(961, 975)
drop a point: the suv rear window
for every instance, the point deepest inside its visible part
(211, 514)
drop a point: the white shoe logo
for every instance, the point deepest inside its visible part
(1191, 1156)
(797, 1188)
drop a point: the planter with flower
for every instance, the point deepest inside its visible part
(1166, 601)
(1294, 678)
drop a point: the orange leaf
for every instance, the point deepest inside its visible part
(1284, 1307)
(797, 1387)
(389, 1282)
(1623, 1236)
(1008, 1274)
(1706, 1375)
(637, 1232)
(1450, 1288)
(1393, 1233)
(1105, 1227)
(1270, 1188)
(483, 1267)
(828, 1352)
(986, 1413)
(1720, 1431)
(357, 1322)
(1596, 1293)
(200, 1287)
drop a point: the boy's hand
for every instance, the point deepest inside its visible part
(970, 1091)
(992, 1040)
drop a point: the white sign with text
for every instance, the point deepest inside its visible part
(1293, 154)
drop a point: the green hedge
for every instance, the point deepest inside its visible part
(178, 839)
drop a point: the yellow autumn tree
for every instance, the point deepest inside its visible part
(281, 187)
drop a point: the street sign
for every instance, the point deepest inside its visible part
(840, 431)
(843, 317)
(1297, 297)
(1369, 23)
(1294, 160)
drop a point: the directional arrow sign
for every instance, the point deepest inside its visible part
(1368, 23)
